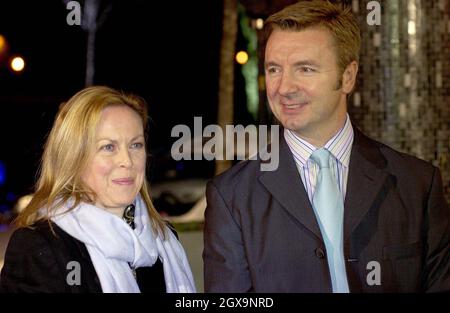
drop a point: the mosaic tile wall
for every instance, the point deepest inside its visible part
(403, 92)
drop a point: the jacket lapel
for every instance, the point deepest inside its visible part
(365, 179)
(285, 185)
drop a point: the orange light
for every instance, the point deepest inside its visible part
(2, 43)
(3, 47)
(242, 57)
(17, 64)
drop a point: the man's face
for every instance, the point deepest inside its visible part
(301, 80)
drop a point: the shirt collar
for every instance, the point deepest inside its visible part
(339, 145)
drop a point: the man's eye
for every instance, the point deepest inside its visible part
(109, 147)
(308, 69)
(273, 70)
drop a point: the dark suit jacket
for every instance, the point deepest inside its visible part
(261, 233)
(36, 261)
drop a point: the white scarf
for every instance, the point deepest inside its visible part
(113, 245)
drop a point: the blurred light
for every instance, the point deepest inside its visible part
(2, 43)
(411, 28)
(180, 166)
(259, 23)
(22, 203)
(17, 64)
(2, 173)
(171, 173)
(242, 57)
(3, 47)
(11, 197)
(4, 208)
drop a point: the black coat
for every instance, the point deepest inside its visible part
(261, 233)
(37, 261)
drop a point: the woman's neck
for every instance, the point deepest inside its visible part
(116, 211)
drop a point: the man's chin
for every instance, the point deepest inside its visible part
(295, 126)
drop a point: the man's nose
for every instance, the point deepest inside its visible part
(288, 84)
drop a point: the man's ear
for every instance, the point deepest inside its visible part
(349, 77)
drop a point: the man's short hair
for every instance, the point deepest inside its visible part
(339, 21)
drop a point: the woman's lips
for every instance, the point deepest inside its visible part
(123, 181)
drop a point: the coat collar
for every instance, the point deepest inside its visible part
(367, 176)
(285, 185)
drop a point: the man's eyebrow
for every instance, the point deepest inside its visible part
(306, 62)
(267, 64)
(299, 63)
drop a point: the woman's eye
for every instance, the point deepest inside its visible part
(137, 145)
(108, 147)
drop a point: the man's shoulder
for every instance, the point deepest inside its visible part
(243, 171)
(397, 156)
(402, 162)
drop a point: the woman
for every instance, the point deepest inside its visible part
(91, 226)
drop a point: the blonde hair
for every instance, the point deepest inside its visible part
(67, 153)
(339, 21)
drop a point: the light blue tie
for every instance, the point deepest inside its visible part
(329, 209)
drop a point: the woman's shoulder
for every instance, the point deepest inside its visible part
(29, 234)
(30, 264)
(37, 259)
(39, 231)
(44, 237)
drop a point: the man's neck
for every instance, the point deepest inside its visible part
(319, 138)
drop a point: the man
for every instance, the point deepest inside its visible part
(341, 213)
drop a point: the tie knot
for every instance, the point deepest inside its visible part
(321, 157)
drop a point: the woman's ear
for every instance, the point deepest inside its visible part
(349, 77)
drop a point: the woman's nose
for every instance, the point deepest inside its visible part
(125, 158)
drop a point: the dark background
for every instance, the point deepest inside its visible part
(165, 51)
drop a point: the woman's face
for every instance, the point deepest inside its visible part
(116, 170)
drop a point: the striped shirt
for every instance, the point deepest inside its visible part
(340, 147)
